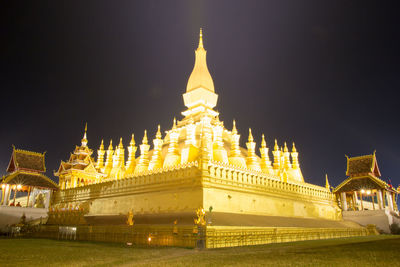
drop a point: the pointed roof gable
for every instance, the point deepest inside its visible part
(26, 160)
(362, 165)
(363, 172)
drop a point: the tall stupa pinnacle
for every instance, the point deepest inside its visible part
(200, 97)
(200, 76)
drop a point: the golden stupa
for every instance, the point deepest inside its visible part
(197, 166)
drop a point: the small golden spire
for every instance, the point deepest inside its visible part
(132, 143)
(263, 143)
(174, 125)
(285, 149)
(84, 139)
(234, 131)
(276, 147)
(294, 148)
(110, 147)
(100, 156)
(251, 139)
(120, 143)
(327, 185)
(158, 134)
(144, 141)
(201, 38)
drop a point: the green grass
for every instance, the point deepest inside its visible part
(380, 250)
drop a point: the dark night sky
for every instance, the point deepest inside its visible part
(322, 74)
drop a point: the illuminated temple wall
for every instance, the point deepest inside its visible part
(179, 192)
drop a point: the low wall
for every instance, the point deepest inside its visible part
(192, 236)
(223, 236)
(182, 236)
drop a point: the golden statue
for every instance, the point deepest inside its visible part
(39, 201)
(130, 220)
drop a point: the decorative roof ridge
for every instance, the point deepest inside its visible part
(28, 152)
(361, 157)
(30, 173)
(357, 177)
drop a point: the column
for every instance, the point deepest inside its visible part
(344, 201)
(2, 194)
(362, 205)
(390, 200)
(373, 200)
(355, 200)
(395, 208)
(27, 198)
(380, 200)
(6, 195)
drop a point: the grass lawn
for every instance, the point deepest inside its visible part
(383, 250)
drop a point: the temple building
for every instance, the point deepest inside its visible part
(80, 168)
(25, 189)
(364, 197)
(195, 180)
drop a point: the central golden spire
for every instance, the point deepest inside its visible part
(200, 97)
(200, 76)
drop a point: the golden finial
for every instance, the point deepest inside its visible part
(251, 139)
(84, 139)
(102, 145)
(201, 38)
(263, 143)
(158, 134)
(327, 185)
(234, 131)
(276, 147)
(110, 147)
(120, 143)
(144, 141)
(174, 125)
(294, 148)
(132, 143)
(285, 149)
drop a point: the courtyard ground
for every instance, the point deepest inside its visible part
(383, 250)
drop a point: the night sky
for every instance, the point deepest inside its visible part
(323, 74)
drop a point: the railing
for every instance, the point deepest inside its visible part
(228, 175)
(182, 174)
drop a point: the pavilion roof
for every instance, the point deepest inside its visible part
(363, 172)
(30, 179)
(26, 160)
(367, 182)
(357, 166)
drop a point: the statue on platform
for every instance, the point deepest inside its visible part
(130, 220)
(39, 201)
